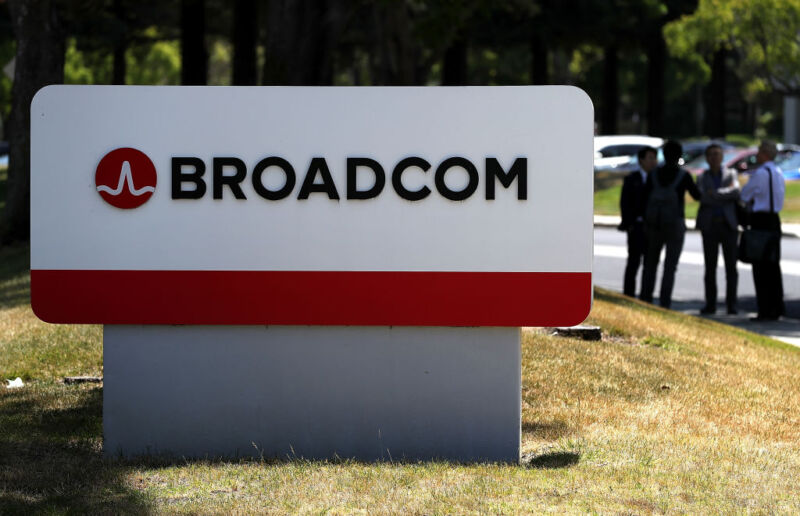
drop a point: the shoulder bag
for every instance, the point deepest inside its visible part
(760, 245)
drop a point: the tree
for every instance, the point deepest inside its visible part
(7, 52)
(764, 34)
(105, 32)
(194, 56)
(397, 51)
(539, 54)
(245, 37)
(659, 16)
(455, 67)
(610, 105)
(39, 62)
(300, 38)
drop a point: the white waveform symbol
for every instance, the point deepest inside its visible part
(125, 178)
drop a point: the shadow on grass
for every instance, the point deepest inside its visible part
(15, 287)
(615, 298)
(16, 295)
(554, 460)
(51, 457)
(550, 431)
(622, 300)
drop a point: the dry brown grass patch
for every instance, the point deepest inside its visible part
(667, 414)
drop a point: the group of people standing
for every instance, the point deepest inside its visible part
(652, 208)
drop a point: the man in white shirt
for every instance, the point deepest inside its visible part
(764, 194)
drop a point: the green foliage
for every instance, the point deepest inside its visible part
(764, 33)
(220, 62)
(493, 68)
(86, 67)
(155, 63)
(741, 140)
(583, 58)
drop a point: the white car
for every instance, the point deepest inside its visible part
(618, 153)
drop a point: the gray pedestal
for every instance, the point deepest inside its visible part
(369, 393)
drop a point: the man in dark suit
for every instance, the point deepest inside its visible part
(632, 204)
(716, 219)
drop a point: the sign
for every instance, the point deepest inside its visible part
(461, 206)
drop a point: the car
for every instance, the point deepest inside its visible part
(694, 148)
(618, 153)
(691, 150)
(790, 166)
(730, 158)
(788, 159)
(747, 162)
(742, 160)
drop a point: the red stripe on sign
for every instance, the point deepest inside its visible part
(312, 297)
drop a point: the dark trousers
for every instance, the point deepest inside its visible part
(720, 234)
(767, 275)
(637, 244)
(656, 240)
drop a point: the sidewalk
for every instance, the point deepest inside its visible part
(612, 221)
(786, 330)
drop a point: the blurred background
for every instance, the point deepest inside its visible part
(687, 69)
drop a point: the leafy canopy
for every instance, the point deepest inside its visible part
(765, 34)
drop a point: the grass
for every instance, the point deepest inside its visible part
(608, 187)
(791, 203)
(668, 413)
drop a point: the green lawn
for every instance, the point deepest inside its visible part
(607, 192)
(791, 204)
(667, 414)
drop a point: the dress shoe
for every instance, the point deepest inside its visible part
(732, 311)
(707, 310)
(762, 318)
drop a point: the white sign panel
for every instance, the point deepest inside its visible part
(287, 205)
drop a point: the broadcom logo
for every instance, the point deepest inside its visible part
(125, 178)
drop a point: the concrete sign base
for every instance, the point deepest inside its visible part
(316, 392)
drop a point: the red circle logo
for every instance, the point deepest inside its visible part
(125, 178)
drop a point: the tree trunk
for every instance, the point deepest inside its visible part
(397, 53)
(608, 120)
(715, 123)
(194, 57)
(278, 40)
(315, 44)
(120, 66)
(39, 62)
(300, 39)
(454, 69)
(539, 74)
(656, 64)
(245, 29)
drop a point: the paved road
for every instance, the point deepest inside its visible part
(609, 263)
